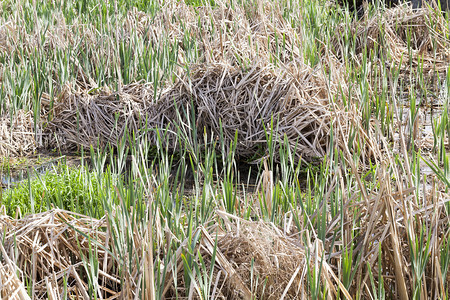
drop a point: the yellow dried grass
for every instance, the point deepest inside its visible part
(49, 248)
(17, 134)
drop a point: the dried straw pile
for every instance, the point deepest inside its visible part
(17, 134)
(58, 249)
(261, 252)
(10, 286)
(252, 260)
(50, 250)
(219, 95)
(388, 32)
(81, 119)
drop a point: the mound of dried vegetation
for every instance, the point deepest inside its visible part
(215, 98)
(50, 248)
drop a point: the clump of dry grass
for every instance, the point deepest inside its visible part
(264, 256)
(244, 102)
(402, 33)
(80, 119)
(17, 134)
(252, 259)
(223, 98)
(50, 249)
(10, 286)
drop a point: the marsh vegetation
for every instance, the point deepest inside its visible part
(226, 150)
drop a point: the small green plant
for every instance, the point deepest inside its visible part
(75, 189)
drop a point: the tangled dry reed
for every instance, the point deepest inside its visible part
(223, 98)
(50, 250)
(17, 134)
(52, 247)
(262, 252)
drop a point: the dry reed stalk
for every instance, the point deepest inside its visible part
(267, 187)
(10, 286)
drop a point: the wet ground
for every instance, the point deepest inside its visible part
(16, 170)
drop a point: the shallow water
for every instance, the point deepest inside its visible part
(32, 167)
